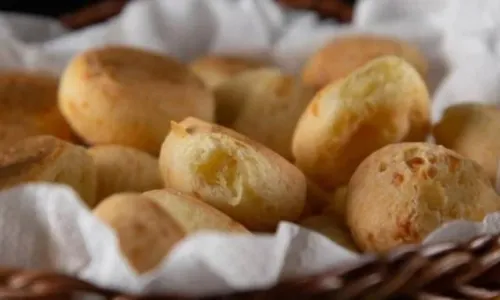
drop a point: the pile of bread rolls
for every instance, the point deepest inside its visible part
(160, 150)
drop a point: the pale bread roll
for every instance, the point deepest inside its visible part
(216, 69)
(403, 192)
(341, 56)
(48, 159)
(472, 130)
(384, 102)
(329, 227)
(242, 178)
(265, 105)
(149, 225)
(124, 169)
(28, 107)
(125, 96)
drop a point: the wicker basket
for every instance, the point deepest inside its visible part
(445, 271)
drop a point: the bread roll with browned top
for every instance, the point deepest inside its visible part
(384, 102)
(341, 56)
(403, 192)
(125, 96)
(264, 105)
(149, 225)
(124, 169)
(28, 107)
(216, 69)
(242, 178)
(473, 131)
(48, 159)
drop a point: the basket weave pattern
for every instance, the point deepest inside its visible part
(444, 271)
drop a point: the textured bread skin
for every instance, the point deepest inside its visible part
(472, 130)
(124, 169)
(125, 96)
(329, 227)
(343, 55)
(146, 233)
(28, 107)
(238, 176)
(48, 159)
(216, 69)
(149, 225)
(265, 105)
(403, 192)
(386, 101)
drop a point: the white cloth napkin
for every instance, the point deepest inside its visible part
(46, 226)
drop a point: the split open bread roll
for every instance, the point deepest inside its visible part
(329, 227)
(28, 107)
(472, 130)
(384, 102)
(343, 55)
(216, 69)
(124, 169)
(264, 105)
(403, 192)
(125, 96)
(149, 225)
(48, 159)
(242, 178)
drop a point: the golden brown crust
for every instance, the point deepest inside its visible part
(238, 176)
(149, 225)
(145, 231)
(124, 169)
(383, 102)
(264, 105)
(126, 96)
(28, 107)
(330, 228)
(46, 158)
(343, 55)
(403, 192)
(472, 130)
(216, 69)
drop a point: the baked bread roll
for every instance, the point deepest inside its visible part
(48, 159)
(264, 105)
(28, 107)
(123, 169)
(330, 228)
(472, 130)
(337, 204)
(149, 225)
(343, 55)
(316, 200)
(216, 69)
(403, 192)
(238, 176)
(384, 102)
(125, 96)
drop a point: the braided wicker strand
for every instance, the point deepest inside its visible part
(443, 271)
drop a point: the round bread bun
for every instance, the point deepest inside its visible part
(124, 169)
(337, 204)
(384, 102)
(343, 55)
(328, 226)
(149, 225)
(216, 69)
(28, 107)
(49, 159)
(238, 176)
(125, 96)
(403, 192)
(265, 105)
(472, 130)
